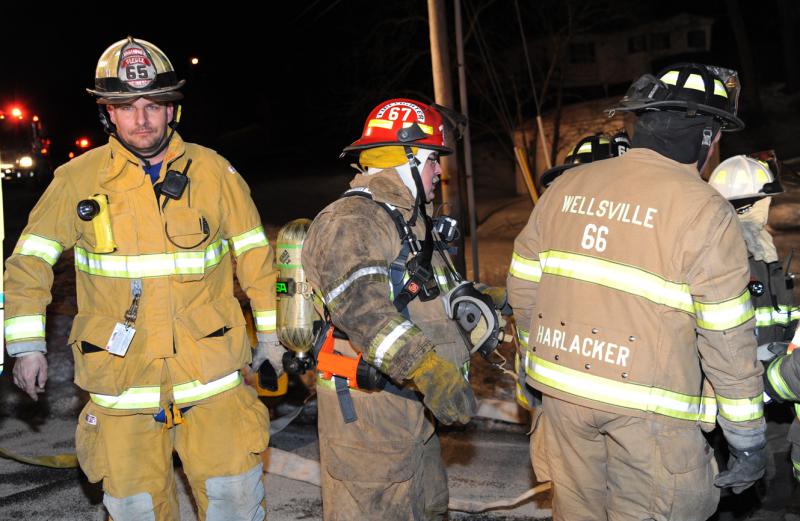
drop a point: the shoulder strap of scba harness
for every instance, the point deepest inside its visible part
(421, 282)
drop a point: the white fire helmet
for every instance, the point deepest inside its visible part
(742, 177)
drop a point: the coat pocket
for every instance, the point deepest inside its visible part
(391, 462)
(216, 336)
(97, 370)
(686, 485)
(186, 228)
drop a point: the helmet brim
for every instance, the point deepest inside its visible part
(731, 123)
(550, 175)
(355, 147)
(114, 98)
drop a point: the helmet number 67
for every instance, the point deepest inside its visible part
(594, 237)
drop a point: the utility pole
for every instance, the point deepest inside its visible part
(462, 92)
(443, 94)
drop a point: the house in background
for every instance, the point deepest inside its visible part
(598, 67)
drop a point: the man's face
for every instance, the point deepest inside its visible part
(142, 124)
(431, 174)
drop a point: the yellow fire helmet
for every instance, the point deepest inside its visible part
(130, 69)
(742, 177)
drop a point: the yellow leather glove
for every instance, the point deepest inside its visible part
(445, 390)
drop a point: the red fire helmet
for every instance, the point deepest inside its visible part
(402, 122)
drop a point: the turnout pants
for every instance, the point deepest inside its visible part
(385, 465)
(612, 467)
(218, 441)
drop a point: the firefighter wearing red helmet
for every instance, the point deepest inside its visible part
(630, 289)
(371, 258)
(159, 339)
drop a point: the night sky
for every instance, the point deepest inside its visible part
(296, 83)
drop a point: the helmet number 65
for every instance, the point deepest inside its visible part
(134, 72)
(594, 237)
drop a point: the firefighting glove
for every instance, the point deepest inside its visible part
(745, 467)
(268, 360)
(445, 390)
(748, 456)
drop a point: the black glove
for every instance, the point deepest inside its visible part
(745, 467)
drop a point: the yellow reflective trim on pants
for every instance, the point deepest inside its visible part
(151, 264)
(46, 249)
(622, 277)
(619, 394)
(246, 241)
(26, 326)
(769, 316)
(148, 397)
(728, 314)
(265, 320)
(741, 410)
(525, 269)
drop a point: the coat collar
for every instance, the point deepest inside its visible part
(386, 187)
(125, 171)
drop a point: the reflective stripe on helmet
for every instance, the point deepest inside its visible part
(149, 397)
(23, 327)
(248, 240)
(621, 394)
(151, 264)
(266, 321)
(741, 410)
(46, 249)
(381, 123)
(388, 341)
(525, 269)
(719, 89)
(728, 314)
(374, 272)
(425, 128)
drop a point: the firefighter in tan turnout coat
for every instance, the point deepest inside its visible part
(379, 451)
(629, 286)
(159, 338)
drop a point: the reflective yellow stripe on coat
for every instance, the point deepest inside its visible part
(715, 316)
(248, 240)
(35, 246)
(628, 395)
(24, 327)
(266, 321)
(149, 397)
(151, 264)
